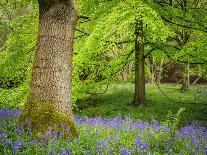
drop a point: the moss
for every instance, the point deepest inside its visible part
(44, 115)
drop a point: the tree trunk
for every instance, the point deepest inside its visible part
(153, 71)
(159, 77)
(188, 76)
(196, 80)
(139, 96)
(186, 79)
(49, 100)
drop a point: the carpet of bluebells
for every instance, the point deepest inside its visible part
(104, 136)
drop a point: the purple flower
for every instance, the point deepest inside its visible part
(27, 120)
(51, 153)
(5, 113)
(16, 146)
(26, 144)
(146, 146)
(205, 150)
(19, 131)
(8, 142)
(33, 142)
(171, 152)
(49, 131)
(124, 151)
(44, 139)
(60, 135)
(3, 136)
(65, 152)
(155, 122)
(16, 113)
(196, 142)
(138, 141)
(97, 148)
(55, 135)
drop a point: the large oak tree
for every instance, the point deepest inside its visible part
(49, 98)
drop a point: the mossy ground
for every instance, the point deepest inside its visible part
(41, 116)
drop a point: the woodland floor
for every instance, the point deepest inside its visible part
(114, 126)
(117, 101)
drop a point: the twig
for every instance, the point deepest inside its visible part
(83, 17)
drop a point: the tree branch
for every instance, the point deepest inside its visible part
(83, 17)
(185, 26)
(178, 60)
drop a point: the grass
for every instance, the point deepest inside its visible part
(117, 100)
(13, 98)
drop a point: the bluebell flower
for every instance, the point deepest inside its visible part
(3, 136)
(124, 151)
(205, 149)
(26, 144)
(5, 113)
(171, 152)
(44, 138)
(60, 135)
(196, 142)
(33, 142)
(19, 131)
(27, 120)
(16, 146)
(65, 152)
(97, 148)
(55, 135)
(154, 122)
(16, 113)
(8, 142)
(49, 131)
(138, 142)
(146, 146)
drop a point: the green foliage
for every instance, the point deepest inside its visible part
(13, 98)
(101, 50)
(16, 57)
(173, 123)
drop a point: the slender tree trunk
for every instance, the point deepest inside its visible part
(139, 96)
(188, 77)
(49, 99)
(186, 80)
(159, 77)
(153, 71)
(196, 80)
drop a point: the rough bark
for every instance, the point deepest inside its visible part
(51, 82)
(139, 96)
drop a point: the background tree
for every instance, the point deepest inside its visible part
(183, 17)
(100, 41)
